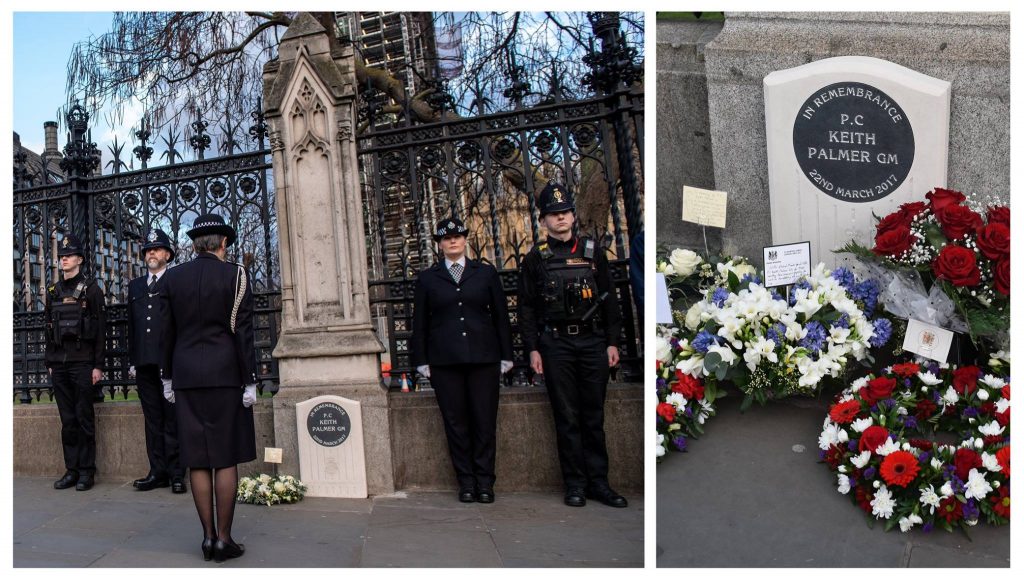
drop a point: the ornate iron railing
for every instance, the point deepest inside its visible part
(484, 169)
(112, 213)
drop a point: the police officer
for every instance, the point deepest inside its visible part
(74, 356)
(146, 314)
(209, 355)
(569, 321)
(462, 341)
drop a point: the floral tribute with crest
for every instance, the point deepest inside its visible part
(767, 345)
(958, 253)
(882, 440)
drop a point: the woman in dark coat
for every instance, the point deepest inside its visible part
(462, 341)
(209, 356)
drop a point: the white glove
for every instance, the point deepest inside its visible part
(424, 370)
(131, 371)
(168, 390)
(249, 397)
(506, 366)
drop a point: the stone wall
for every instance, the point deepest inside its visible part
(527, 456)
(684, 133)
(120, 441)
(970, 50)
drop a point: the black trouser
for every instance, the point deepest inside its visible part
(161, 425)
(73, 389)
(468, 398)
(576, 375)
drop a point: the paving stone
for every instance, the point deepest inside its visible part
(116, 526)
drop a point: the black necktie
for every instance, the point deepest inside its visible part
(152, 281)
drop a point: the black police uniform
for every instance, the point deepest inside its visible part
(461, 330)
(563, 316)
(146, 319)
(75, 326)
(208, 361)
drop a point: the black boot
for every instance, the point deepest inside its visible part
(67, 481)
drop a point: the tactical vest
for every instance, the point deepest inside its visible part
(69, 318)
(569, 283)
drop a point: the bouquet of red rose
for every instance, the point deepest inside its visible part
(953, 246)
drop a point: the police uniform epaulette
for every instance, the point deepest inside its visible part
(545, 250)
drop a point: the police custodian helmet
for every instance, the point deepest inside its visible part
(555, 198)
(158, 239)
(448, 227)
(70, 246)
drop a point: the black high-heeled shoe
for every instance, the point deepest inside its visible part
(223, 551)
(207, 547)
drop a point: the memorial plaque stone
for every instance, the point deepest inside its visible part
(331, 451)
(849, 137)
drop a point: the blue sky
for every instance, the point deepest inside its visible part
(42, 45)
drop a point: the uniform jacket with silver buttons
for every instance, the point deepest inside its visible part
(146, 314)
(460, 323)
(199, 348)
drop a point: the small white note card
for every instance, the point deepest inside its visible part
(928, 340)
(705, 207)
(272, 455)
(663, 314)
(785, 264)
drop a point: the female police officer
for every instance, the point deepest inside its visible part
(209, 355)
(461, 340)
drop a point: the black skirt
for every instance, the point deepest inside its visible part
(214, 429)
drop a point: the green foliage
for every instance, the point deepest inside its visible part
(857, 250)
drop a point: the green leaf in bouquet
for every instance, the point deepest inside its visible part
(858, 250)
(935, 236)
(747, 401)
(712, 361)
(734, 282)
(710, 391)
(721, 371)
(987, 321)
(889, 524)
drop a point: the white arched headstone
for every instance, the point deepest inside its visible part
(849, 137)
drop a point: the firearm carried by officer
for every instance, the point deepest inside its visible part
(571, 332)
(75, 327)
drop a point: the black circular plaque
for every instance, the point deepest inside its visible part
(853, 142)
(328, 424)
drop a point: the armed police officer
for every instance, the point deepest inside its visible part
(146, 319)
(74, 356)
(569, 320)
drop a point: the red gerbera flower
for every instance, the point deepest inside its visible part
(1001, 502)
(899, 468)
(846, 412)
(906, 369)
(1005, 391)
(667, 411)
(951, 509)
(1003, 456)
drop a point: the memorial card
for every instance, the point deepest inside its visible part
(663, 314)
(785, 264)
(704, 207)
(928, 340)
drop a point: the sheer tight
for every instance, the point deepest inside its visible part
(224, 482)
